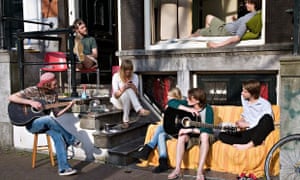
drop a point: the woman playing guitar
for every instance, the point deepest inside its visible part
(187, 137)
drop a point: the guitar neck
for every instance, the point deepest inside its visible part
(204, 125)
(55, 105)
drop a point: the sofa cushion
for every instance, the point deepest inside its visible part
(254, 26)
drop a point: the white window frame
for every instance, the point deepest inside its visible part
(195, 43)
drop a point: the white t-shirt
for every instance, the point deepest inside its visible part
(118, 84)
(252, 113)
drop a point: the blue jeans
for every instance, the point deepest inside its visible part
(62, 138)
(160, 137)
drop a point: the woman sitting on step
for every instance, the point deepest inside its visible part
(125, 92)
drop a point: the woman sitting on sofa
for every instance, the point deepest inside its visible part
(188, 137)
(161, 136)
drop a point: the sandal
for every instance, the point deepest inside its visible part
(125, 125)
(200, 177)
(144, 112)
(173, 175)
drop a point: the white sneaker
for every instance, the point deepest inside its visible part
(67, 172)
(77, 144)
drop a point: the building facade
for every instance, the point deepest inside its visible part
(153, 33)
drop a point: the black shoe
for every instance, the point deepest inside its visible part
(142, 153)
(162, 167)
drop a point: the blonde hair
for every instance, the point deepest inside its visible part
(125, 65)
(175, 93)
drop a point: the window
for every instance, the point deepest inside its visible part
(225, 89)
(12, 14)
(168, 23)
(156, 87)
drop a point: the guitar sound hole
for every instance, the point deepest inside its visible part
(186, 122)
(34, 110)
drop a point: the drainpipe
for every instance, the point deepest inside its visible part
(1, 28)
(296, 27)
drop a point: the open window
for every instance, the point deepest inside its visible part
(168, 23)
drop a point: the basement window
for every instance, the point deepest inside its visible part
(168, 23)
(220, 88)
(225, 89)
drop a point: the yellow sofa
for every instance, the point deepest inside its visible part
(222, 157)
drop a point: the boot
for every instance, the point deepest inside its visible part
(142, 153)
(163, 166)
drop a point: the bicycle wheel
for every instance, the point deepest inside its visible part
(286, 154)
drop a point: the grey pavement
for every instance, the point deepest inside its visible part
(16, 164)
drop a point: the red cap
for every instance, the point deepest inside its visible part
(46, 78)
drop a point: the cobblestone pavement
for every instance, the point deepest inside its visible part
(16, 164)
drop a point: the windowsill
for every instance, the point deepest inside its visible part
(281, 48)
(200, 42)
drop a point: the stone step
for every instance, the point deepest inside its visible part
(119, 155)
(117, 136)
(97, 121)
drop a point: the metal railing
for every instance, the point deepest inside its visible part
(45, 35)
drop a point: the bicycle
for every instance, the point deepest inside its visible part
(286, 153)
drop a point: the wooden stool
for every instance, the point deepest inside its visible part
(37, 147)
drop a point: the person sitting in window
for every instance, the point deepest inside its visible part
(125, 92)
(216, 27)
(85, 46)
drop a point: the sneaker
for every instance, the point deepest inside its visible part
(67, 172)
(77, 143)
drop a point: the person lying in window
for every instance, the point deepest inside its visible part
(216, 27)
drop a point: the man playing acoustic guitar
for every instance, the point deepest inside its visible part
(46, 91)
(257, 118)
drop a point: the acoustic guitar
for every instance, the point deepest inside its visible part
(170, 120)
(223, 127)
(22, 114)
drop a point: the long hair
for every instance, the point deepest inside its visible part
(125, 65)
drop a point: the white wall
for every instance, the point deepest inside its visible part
(24, 140)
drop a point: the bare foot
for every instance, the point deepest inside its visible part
(243, 146)
(144, 112)
(200, 177)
